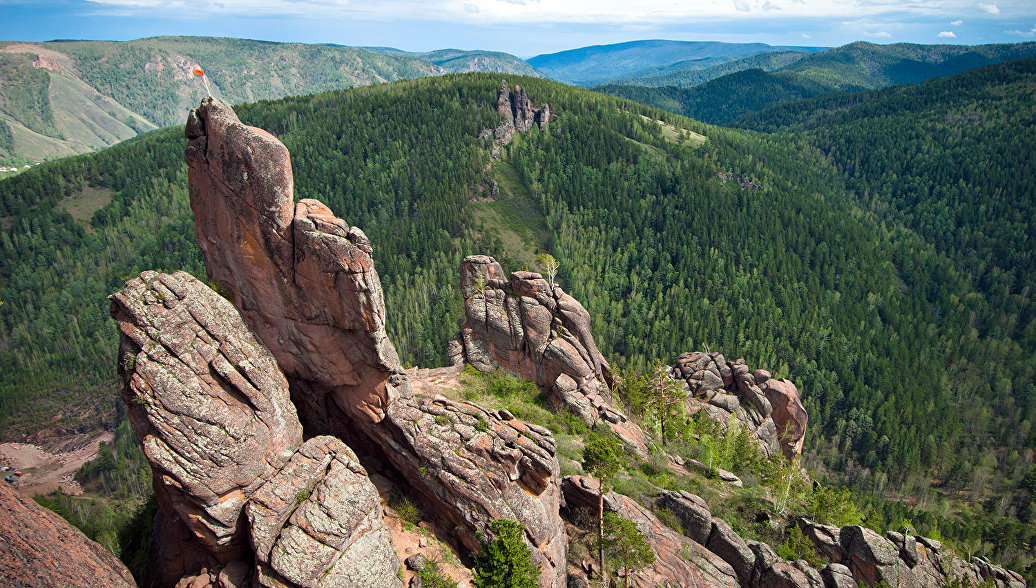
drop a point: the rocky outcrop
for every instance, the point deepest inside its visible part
(518, 113)
(233, 479)
(305, 283)
(39, 549)
(523, 324)
(318, 522)
(679, 561)
(862, 556)
(768, 408)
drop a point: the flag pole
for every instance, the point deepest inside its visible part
(199, 72)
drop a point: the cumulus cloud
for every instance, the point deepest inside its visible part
(880, 35)
(990, 8)
(957, 23)
(1029, 33)
(947, 34)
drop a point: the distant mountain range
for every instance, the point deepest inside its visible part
(459, 60)
(598, 64)
(754, 83)
(63, 97)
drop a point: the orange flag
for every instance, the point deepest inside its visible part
(199, 72)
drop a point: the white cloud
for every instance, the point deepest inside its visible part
(947, 35)
(1029, 33)
(957, 23)
(621, 12)
(805, 36)
(880, 35)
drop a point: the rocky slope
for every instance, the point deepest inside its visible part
(527, 326)
(39, 549)
(768, 407)
(305, 283)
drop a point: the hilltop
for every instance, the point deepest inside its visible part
(721, 94)
(64, 97)
(597, 64)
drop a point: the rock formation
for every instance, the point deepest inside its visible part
(518, 113)
(861, 556)
(523, 325)
(233, 479)
(39, 549)
(305, 283)
(679, 561)
(768, 407)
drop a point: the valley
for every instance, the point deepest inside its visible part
(872, 247)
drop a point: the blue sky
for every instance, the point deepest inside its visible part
(527, 27)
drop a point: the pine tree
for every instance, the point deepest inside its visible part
(505, 561)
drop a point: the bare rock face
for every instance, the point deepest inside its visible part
(305, 283)
(692, 512)
(213, 412)
(518, 113)
(679, 561)
(523, 325)
(788, 414)
(206, 400)
(769, 408)
(862, 556)
(318, 522)
(39, 549)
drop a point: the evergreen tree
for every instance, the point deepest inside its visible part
(602, 459)
(505, 561)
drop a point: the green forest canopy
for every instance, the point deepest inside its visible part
(879, 326)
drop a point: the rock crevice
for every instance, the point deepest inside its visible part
(304, 282)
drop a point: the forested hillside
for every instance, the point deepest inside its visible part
(600, 63)
(721, 94)
(802, 276)
(64, 97)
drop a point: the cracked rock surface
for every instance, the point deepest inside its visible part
(523, 325)
(234, 481)
(768, 407)
(304, 282)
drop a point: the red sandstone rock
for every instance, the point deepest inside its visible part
(521, 324)
(305, 283)
(39, 549)
(679, 561)
(788, 414)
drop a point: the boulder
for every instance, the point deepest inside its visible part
(692, 512)
(837, 576)
(679, 561)
(873, 559)
(305, 283)
(522, 324)
(727, 544)
(39, 549)
(233, 480)
(789, 416)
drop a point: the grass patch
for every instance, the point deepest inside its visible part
(679, 136)
(515, 218)
(89, 200)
